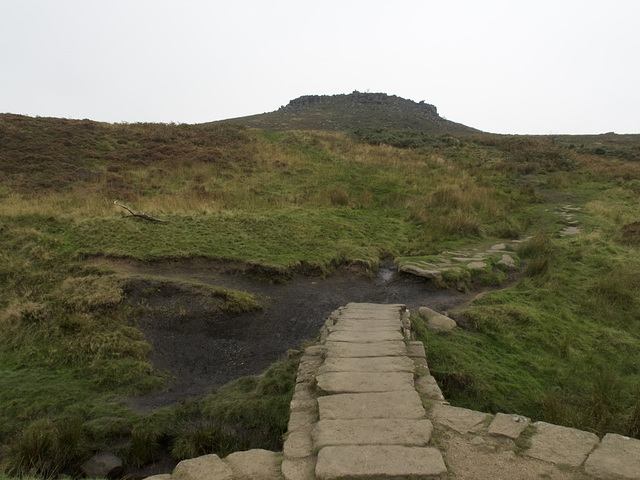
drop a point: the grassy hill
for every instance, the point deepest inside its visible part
(354, 111)
(560, 345)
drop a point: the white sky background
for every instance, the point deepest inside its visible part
(503, 66)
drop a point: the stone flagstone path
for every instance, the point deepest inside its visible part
(357, 413)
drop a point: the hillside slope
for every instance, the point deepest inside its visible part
(354, 111)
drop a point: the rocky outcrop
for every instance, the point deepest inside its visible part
(353, 111)
(355, 99)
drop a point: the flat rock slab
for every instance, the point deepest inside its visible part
(508, 425)
(380, 349)
(372, 432)
(366, 336)
(362, 382)
(459, 419)
(617, 457)
(561, 445)
(393, 405)
(356, 461)
(367, 364)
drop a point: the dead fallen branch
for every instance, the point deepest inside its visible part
(140, 215)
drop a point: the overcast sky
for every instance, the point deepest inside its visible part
(503, 66)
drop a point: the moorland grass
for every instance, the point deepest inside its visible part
(561, 345)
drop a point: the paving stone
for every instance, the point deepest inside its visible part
(298, 444)
(415, 349)
(372, 432)
(256, 464)
(461, 420)
(207, 466)
(616, 457)
(301, 420)
(303, 399)
(380, 349)
(371, 336)
(561, 445)
(298, 468)
(361, 461)
(508, 425)
(428, 387)
(362, 382)
(367, 364)
(499, 246)
(356, 325)
(405, 405)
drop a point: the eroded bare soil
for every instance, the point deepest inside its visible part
(204, 349)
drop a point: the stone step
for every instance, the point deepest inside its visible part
(366, 461)
(356, 325)
(396, 405)
(363, 382)
(369, 336)
(367, 364)
(379, 349)
(368, 431)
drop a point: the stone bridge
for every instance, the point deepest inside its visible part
(365, 406)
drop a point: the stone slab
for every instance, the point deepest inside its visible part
(367, 336)
(367, 364)
(362, 382)
(207, 466)
(461, 420)
(561, 445)
(298, 468)
(303, 399)
(301, 420)
(362, 461)
(372, 432)
(415, 349)
(357, 325)
(256, 464)
(398, 405)
(380, 349)
(425, 271)
(298, 444)
(508, 425)
(616, 457)
(374, 306)
(428, 387)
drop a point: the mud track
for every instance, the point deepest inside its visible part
(204, 349)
